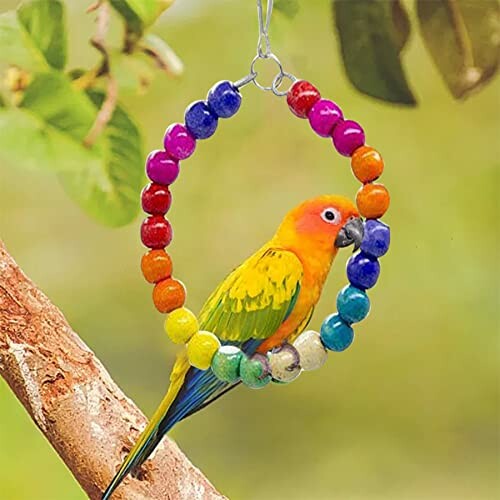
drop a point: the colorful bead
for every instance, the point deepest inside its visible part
(226, 363)
(363, 270)
(336, 334)
(156, 199)
(254, 371)
(156, 265)
(156, 232)
(323, 116)
(311, 351)
(161, 167)
(181, 324)
(376, 239)
(200, 120)
(373, 200)
(178, 141)
(224, 99)
(301, 97)
(284, 363)
(347, 137)
(168, 295)
(367, 164)
(353, 304)
(201, 349)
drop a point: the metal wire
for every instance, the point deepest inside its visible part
(264, 52)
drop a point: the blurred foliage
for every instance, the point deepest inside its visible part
(93, 144)
(411, 411)
(73, 135)
(462, 36)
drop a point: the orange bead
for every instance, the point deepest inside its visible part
(156, 265)
(373, 200)
(367, 164)
(169, 295)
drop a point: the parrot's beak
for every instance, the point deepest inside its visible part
(351, 234)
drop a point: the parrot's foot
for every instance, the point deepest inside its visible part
(284, 361)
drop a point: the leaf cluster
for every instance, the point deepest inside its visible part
(70, 121)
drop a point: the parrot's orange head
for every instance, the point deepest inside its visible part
(325, 224)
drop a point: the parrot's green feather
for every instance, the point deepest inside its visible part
(255, 298)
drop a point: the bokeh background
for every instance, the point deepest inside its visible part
(411, 410)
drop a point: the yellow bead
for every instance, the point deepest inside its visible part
(201, 349)
(180, 325)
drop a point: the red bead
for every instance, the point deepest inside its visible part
(156, 232)
(301, 97)
(156, 199)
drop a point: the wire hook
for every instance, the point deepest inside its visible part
(264, 52)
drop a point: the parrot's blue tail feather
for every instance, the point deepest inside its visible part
(190, 391)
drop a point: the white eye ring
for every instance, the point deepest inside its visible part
(330, 215)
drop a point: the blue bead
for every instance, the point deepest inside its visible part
(363, 270)
(376, 239)
(224, 99)
(336, 334)
(200, 120)
(353, 304)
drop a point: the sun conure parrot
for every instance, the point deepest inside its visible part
(263, 303)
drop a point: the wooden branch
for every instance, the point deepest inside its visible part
(72, 399)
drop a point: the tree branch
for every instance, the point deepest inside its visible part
(72, 399)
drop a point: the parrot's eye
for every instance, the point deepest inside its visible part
(331, 216)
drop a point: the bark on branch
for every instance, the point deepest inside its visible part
(72, 399)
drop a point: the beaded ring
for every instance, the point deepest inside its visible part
(309, 350)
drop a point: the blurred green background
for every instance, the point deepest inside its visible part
(412, 409)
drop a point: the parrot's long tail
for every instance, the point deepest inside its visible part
(150, 437)
(190, 390)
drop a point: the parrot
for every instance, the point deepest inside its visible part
(262, 304)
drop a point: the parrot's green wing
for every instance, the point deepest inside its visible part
(255, 298)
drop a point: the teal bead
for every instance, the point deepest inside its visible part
(226, 363)
(336, 334)
(353, 304)
(254, 371)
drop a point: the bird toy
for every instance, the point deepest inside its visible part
(251, 328)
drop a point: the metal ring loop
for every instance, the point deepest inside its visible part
(278, 80)
(278, 77)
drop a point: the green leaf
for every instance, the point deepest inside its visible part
(35, 36)
(166, 58)
(51, 97)
(463, 38)
(44, 21)
(140, 14)
(28, 141)
(402, 26)
(109, 190)
(133, 72)
(372, 34)
(48, 131)
(16, 46)
(289, 8)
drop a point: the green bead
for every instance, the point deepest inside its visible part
(226, 363)
(254, 371)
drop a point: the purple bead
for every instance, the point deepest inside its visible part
(347, 137)
(200, 120)
(178, 142)
(363, 270)
(376, 239)
(162, 168)
(324, 115)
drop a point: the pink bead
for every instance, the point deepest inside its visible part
(162, 168)
(347, 137)
(324, 115)
(178, 142)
